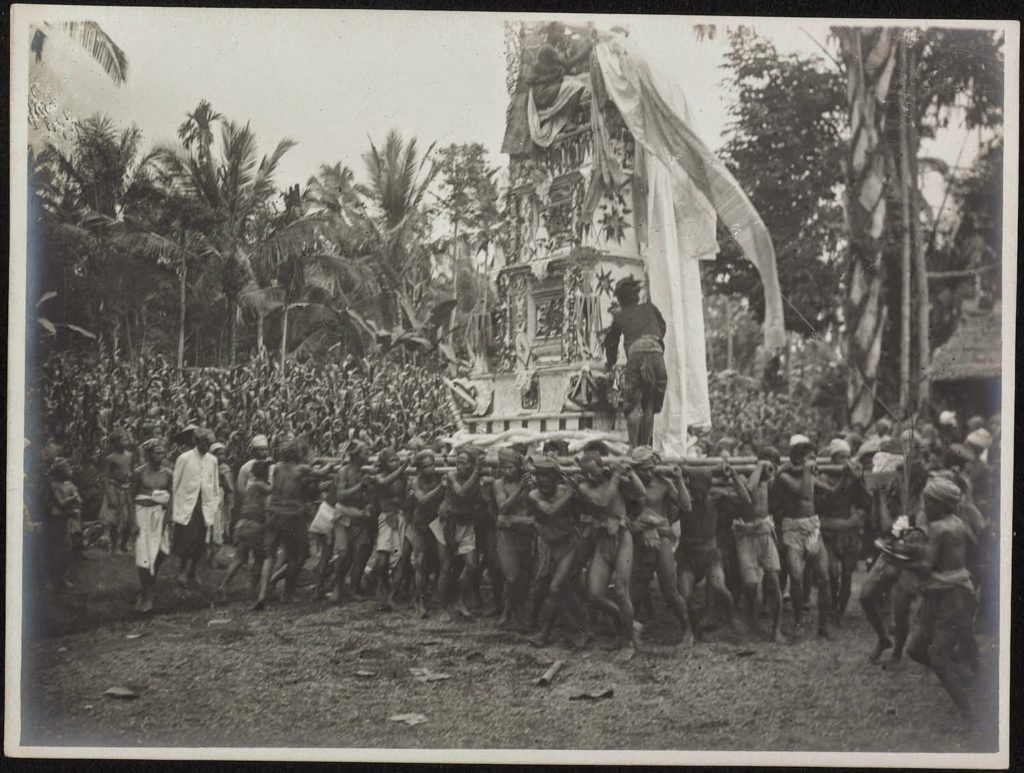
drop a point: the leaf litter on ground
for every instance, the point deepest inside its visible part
(122, 693)
(409, 719)
(426, 675)
(593, 695)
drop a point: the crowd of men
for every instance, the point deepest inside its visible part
(572, 544)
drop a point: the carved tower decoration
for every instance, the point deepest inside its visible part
(577, 204)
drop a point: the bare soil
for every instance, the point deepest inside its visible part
(320, 675)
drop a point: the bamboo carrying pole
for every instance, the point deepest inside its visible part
(741, 464)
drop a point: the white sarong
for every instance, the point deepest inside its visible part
(152, 538)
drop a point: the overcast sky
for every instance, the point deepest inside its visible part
(332, 79)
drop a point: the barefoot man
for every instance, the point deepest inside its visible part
(643, 329)
(756, 551)
(552, 503)
(195, 497)
(801, 530)
(698, 555)
(117, 502)
(665, 496)
(456, 535)
(945, 617)
(515, 536)
(601, 492)
(427, 492)
(841, 500)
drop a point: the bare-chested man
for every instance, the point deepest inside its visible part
(456, 534)
(552, 503)
(515, 536)
(888, 576)
(391, 491)
(355, 545)
(665, 497)
(427, 492)
(841, 501)
(801, 530)
(698, 555)
(756, 550)
(118, 467)
(944, 618)
(601, 493)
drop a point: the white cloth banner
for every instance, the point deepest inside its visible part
(674, 276)
(689, 189)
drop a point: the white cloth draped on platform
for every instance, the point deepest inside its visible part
(689, 189)
(547, 123)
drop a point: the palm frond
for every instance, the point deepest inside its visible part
(262, 300)
(287, 242)
(90, 36)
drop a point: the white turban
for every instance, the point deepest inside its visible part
(259, 441)
(799, 440)
(980, 438)
(948, 418)
(838, 446)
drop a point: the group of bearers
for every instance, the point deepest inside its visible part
(575, 542)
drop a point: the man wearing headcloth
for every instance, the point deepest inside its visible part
(978, 472)
(151, 494)
(116, 510)
(196, 495)
(944, 619)
(352, 494)
(428, 489)
(602, 491)
(757, 551)
(391, 491)
(656, 533)
(456, 535)
(259, 449)
(553, 505)
(698, 555)
(515, 536)
(899, 526)
(841, 502)
(642, 328)
(801, 530)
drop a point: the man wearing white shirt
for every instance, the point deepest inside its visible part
(195, 497)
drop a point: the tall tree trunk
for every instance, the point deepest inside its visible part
(906, 246)
(869, 57)
(128, 335)
(284, 336)
(182, 291)
(233, 331)
(728, 334)
(924, 346)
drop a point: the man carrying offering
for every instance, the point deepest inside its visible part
(945, 616)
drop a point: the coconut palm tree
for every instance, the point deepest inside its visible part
(394, 222)
(236, 189)
(90, 36)
(313, 277)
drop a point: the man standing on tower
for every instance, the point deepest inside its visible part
(643, 328)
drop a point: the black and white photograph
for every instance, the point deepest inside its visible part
(449, 386)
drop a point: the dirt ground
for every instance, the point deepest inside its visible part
(320, 675)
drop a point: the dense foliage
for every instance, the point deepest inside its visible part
(784, 145)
